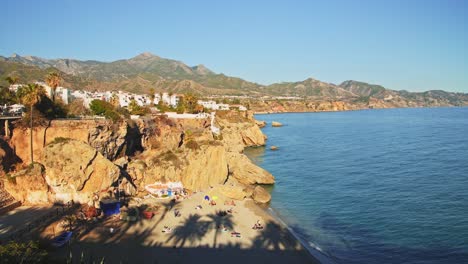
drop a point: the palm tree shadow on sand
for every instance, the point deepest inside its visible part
(275, 237)
(220, 221)
(192, 230)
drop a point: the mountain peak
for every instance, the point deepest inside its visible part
(201, 69)
(146, 55)
(14, 55)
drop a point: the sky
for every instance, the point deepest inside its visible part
(403, 45)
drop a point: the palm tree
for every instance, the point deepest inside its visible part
(12, 80)
(53, 79)
(31, 95)
(152, 95)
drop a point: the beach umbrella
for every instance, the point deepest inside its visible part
(207, 197)
(215, 197)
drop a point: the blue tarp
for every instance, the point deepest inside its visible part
(111, 208)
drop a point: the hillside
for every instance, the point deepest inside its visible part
(145, 71)
(142, 72)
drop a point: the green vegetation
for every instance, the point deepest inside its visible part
(19, 252)
(53, 79)
(103, 108)
(31, 95)
(135, 109)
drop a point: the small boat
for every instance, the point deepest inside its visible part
(62, 239)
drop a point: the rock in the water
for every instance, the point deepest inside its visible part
(75, 171)
(246, 172)
(274, 148)
(260, 123)
(276, 124)
(260, 195)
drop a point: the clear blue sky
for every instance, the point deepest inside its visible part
(414, 45)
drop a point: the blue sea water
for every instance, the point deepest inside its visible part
(373, 186)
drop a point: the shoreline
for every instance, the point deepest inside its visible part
(267, 212)
(352, 110)
(315, 253)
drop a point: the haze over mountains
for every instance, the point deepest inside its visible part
(145, 71)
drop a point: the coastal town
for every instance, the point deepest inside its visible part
(118, 98)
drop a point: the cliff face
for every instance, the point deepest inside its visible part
(75, 171)
(111, 140)
(77, 156)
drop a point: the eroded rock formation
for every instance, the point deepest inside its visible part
(78, 155)
(76, 171)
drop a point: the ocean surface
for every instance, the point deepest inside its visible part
(372, 186)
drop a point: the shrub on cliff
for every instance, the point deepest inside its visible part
(103, 108)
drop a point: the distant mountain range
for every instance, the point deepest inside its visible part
(146, 71)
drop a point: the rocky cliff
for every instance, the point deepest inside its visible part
(82, 158)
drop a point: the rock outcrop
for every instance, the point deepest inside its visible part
(28, 186)
(242, 169)
(260, 195)
(260, 124)
(77, 156)
(76, 171)
(109, 139)
(239, 132)
(276, 124)
(8, 158)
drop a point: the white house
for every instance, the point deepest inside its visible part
(171, 100)
(213, 105)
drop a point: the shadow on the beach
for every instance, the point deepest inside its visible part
(167, 207)
(275, 237)
(192, 230)
(93, 242)
(220, 221)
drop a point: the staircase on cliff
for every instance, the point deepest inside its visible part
(7, 202)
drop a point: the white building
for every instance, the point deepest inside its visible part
(64, 94)
(213, 105)
(171, 100)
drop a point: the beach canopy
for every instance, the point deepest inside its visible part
(110, 207)
(207, 197)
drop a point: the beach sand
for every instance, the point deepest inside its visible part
(197, 236)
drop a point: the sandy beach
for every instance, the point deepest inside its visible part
(197, 235)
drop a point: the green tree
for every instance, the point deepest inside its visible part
(190, 103)
(152, 94)
(103, 108)
(99, 107)
(53, 79)
(30, 96)
(6, 96)
(136, 109)
(12, 80)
